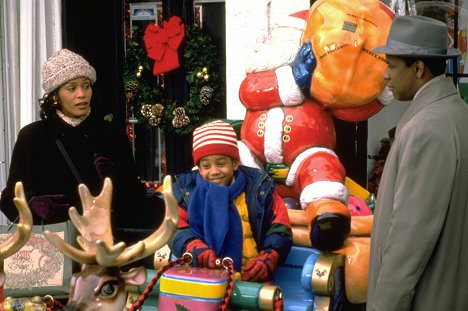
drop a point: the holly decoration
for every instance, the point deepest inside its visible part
(141, 87)
(144, 92)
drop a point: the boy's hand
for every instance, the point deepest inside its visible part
(203, 256)
(261, 269)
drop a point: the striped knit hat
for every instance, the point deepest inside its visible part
(217, 137)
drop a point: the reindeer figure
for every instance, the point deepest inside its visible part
(23, 231)
(100, 285)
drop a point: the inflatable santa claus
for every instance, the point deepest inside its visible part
(316, 65)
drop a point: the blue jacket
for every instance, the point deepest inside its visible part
(268, 218)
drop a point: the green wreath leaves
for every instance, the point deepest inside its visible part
(145, 94)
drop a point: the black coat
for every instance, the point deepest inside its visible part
(38, 163)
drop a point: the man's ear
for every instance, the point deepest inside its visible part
(418, 68)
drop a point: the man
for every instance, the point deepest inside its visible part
(419, 241)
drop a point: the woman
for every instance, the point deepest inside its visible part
(68, 146)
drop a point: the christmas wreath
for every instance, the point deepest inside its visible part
(144, 91)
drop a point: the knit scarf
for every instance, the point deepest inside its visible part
(214, 218)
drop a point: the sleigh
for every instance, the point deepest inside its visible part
(307, 280)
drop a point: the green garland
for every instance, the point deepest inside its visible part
(144, 91)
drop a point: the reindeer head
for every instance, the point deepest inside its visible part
(23, 231)
(101, 285)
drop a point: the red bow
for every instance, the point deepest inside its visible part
(162, 43)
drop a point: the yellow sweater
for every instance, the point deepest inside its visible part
(249, 249)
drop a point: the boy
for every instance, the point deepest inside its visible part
(229, 210)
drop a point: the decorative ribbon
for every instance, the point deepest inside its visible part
(162, 44)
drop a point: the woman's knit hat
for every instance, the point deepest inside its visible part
(64, 66)
(217, 137)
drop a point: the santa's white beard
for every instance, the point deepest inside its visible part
(277, 50)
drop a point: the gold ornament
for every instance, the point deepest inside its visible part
(140, 69)
(203, 74)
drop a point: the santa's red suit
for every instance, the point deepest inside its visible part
(295, 144)
(301, 137)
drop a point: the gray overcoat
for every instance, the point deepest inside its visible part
(419, 241)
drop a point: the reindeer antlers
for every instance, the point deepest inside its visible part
(94, 225)
(23, 231)
(96, 233)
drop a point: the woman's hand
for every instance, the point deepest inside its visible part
(104, 166)
(51, 208)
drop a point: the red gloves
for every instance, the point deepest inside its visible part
(203, 256)
(104, 166)
(51, 208)
(261, 269)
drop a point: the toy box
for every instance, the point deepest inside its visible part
(192, 288)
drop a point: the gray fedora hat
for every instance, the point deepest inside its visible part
(417, 36)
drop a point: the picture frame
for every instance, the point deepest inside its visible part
(144, 11)
(39, 268)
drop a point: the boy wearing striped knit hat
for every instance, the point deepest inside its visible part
(229, 210)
